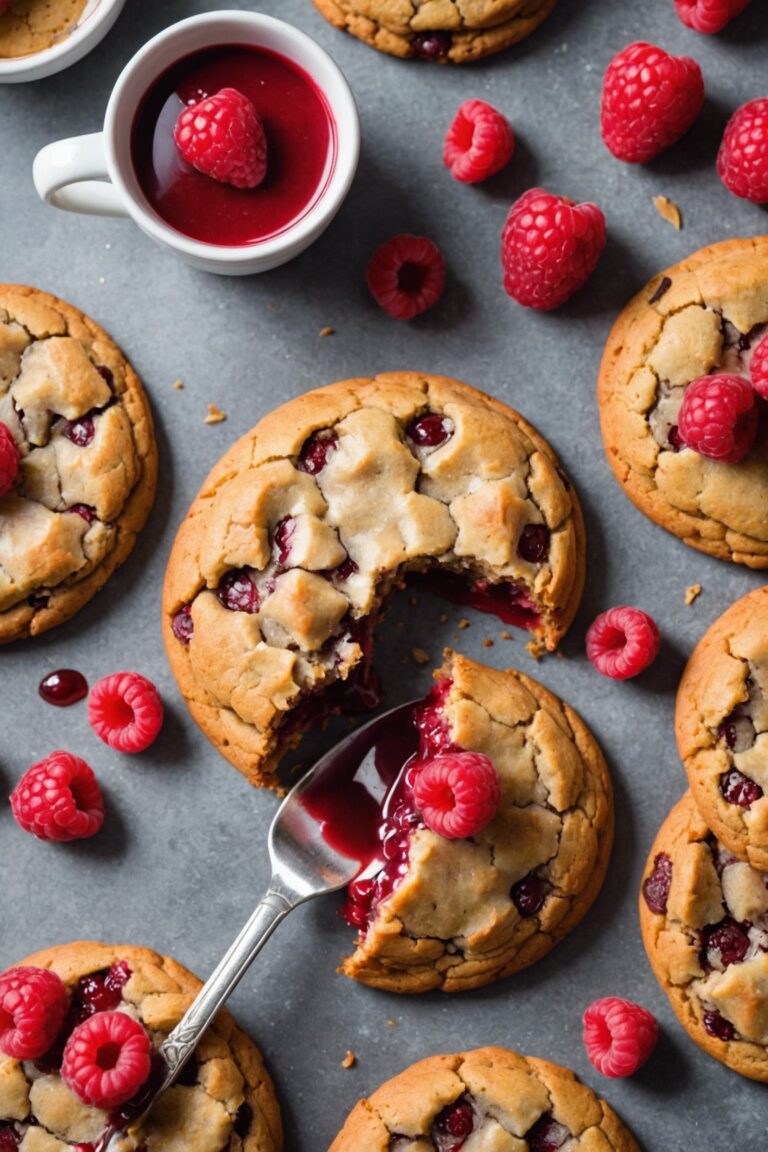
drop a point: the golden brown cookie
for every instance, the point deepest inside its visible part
(469, 911)
(722, 727)
(308, 524)
(86, 481)
(32, 25)
(456, 31)
(704, 917)
(493, 1098)
(701, 316)
(225, 1104)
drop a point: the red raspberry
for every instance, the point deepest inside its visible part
(619, 1036)
(623, 642)
(718, 417)
(650, 99)
(33, 1004)
(406, 276)
(125, 711)
(479, 142)
(9, 459)
(106, 1060)
(709, 16)
(223, 137)
(549, 248)
(457, 794)
(758, 367)
(743, 157)
(58, 799)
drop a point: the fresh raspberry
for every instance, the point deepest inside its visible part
(718, 417)
(33, 1004)
(457, 794)
(619, 1036)
(758, 368)
(9, 459)
(549, 248)
(650, 99)
(479, 142)
(622, 642)
(223, 137)
(59, 799)
(125, 711)
(106, 1060)
(406, 276)
(743, 157)
(709, 16)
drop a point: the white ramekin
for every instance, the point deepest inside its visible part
(97, 19)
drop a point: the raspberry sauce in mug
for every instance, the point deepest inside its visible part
(301, 142)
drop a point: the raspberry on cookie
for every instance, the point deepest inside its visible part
(308, 525)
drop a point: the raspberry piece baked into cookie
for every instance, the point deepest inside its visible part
(702, 317)
(722, 727)
(489, 1098)
(224, 1101)
(704, 918)
(88, 461)
(456, 31)
(311, 520)
(458, 913)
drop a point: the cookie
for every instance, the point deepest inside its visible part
(30, 26)
(704, 918)
(456, 31)
(86, 481)
(224, 1101)
(701, 316)
(466, 912)
(309, 523)
(721, 723)
(487, 1099)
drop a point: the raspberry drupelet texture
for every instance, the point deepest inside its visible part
(718, 417)
(549, 248)
(9, 459)
(457, 794)
(107, 1059)
(709, 16)
(406, 276)
(58, 799)
(223, 137)
(650, 99)
(759, 368)
(743, 157)
(479, 142)
(623, 642)
(33, 1005)
(619, 1036)
(125, 711)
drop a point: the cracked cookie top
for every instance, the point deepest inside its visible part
(491, 1099)
(704, 916)
(442, 30)
(702, 316)
(223, 1102)
(311, 520)
(86, 480)
(722, 727)
(456, 914)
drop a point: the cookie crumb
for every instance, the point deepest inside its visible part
(327, 331)
(443, 617)
(349, 1060)
(413, 601)
(391, 1023)
(506, 635)
(691, 592)
(215, 415)
(487, 643)
(178, 385)
(463, 623)
(668, 211)
(420, 656)
(536, 649)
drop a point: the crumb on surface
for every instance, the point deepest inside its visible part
(420, 656)
(215, 415)
(668, 211)
(487, 642)
(391, 1023)
(691, 592)
(443, 617)
(463, 623)
(178, 385)
(413, 601)
(349, 1060)
(327, 331)
(506, 635)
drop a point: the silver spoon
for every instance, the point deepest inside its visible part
(304, 865)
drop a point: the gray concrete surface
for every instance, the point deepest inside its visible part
(182, 857)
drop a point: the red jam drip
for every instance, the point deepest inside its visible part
(431, 45)
(63, 687)
(533, 545)
(656, 886)
(547, 1135)
(738, 788)
(315, 452)
(9, 1139)
(508, 601)
(429, 431)
(726, 942)
(300, 138)
(717, 1025)
(84, 511)
(238, 593)
(182, 624)
(80, 432)
(284, 533)
(528, 895)
(453, 1125)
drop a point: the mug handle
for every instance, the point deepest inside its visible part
(72, 175)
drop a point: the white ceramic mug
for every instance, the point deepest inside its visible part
(95, 174)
